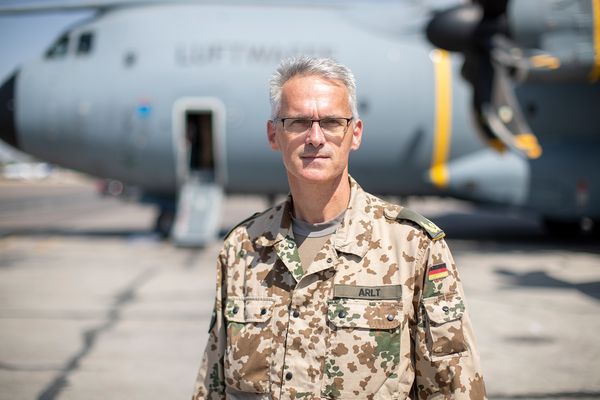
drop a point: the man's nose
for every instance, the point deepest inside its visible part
(315, 134)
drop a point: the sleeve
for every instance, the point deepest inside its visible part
(446, 360)
(210, 382)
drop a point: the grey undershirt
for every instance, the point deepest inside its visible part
(311, 238)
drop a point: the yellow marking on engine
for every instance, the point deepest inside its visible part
(595, 73)
(443, 117)
(545, 61)
(528, 143)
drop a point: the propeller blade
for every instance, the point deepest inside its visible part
(471, 29)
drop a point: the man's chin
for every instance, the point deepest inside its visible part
(316, 175)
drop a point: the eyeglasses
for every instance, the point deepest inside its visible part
(332, 126)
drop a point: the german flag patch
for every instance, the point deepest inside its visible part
(437, 272)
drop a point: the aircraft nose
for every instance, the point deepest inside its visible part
(8, 132)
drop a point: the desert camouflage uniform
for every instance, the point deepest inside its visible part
(379, 314)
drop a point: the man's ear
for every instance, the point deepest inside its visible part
(357, 135)
(271, 135)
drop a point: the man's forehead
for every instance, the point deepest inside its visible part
(314, 88)
(307, 80)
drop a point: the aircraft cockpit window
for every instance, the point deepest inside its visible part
(59, 48)
(86, 42)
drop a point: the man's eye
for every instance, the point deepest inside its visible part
(297, 122)
(330, 123)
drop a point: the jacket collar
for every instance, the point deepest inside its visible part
(352, 237)
(280, 226)
(354, 234)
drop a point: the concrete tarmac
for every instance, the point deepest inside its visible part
(93, 305)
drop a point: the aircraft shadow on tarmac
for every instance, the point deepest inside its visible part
(76, 232)
(510, 232)
(540, 279)
(559, 395)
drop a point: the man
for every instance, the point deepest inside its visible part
(334, 293)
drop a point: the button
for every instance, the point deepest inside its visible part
(390, 317)
(291, 245)
(342, 314)
(329, 260)
(289, 376)
(235, 309)
(445, 309)
(263, 311)
(296, 313)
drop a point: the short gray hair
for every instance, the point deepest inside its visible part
(303, 65)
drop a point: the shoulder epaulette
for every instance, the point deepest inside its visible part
(242, 223)
(434, 232)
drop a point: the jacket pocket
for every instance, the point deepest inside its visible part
(248, 351)
(363, 346)
(444, 325)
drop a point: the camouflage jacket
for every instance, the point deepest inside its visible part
(379, 314)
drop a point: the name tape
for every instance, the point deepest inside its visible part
(389, 292)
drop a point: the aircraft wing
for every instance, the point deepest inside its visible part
(62, 5)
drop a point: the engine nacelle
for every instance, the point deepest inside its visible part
(544, 33)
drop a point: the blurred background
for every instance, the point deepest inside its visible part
(133, 140)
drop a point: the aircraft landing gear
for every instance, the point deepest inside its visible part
(572, 229)
(164, 222)
(592, 227)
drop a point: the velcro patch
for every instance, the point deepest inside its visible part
(389, 292)
(437, 272)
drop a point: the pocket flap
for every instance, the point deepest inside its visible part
(444, 308)
(354, 313)
(249, 309)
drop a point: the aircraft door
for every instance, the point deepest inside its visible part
(199, 134)
(199, 141)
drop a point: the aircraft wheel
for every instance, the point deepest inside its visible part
(164, 222)
(595, 229)
(563, 229)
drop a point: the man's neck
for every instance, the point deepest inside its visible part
(320, 202)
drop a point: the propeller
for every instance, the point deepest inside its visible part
(479, 30)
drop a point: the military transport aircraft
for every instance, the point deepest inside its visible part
(171, 96)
